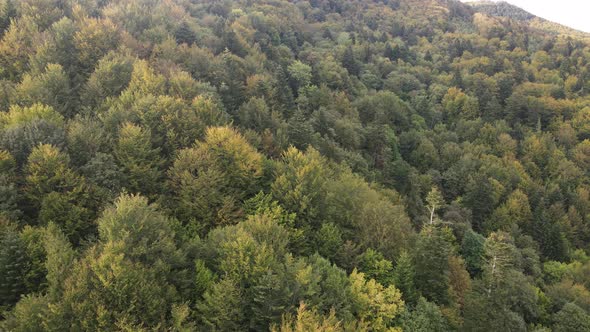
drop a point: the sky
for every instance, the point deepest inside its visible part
(572, 13)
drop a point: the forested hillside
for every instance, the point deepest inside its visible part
(501, 9)
(321, 165)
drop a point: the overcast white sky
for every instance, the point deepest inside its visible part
(573, 13)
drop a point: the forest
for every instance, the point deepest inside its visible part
(292, 166)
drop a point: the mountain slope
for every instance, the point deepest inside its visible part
(507, 10)
(291, 165)
(501, 9)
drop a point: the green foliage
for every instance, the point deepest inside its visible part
(210, 179)
(8, 191)
(572, 318)
(307, 320)
(52, 88)
(301, 73)
(302, 166)
(472, 248)
(23, 128)
(27, 315)
(60, 257)
(425, 316)
(329, 240)
(139, 161)
(374, 266)
(57, 193)
(404, 278)
(221, 308)
(33, 239)
(373, 302)
(110, 77)
(432, 264)
(13, 267)
(300, 183)
(139, 230)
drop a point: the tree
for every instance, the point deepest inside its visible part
(51, 88)
(499, 258)
(308, 321)
(139, 161)
(515, 211)
(58, 48)
(300, 130)
(94, 39)
(13, 266)
(508, 295)
(145, 80)
(204, 279)
(27, 314)
(300, 73)
(404, 278)
(45, 12)
(329, 240)
(431, 259)
(210, 178)
(184, 34)
(373, 303)
(458, 105)
(143, 233)
(55, 193)
(571, 318)
(481, 199)
(580, 123)
(60, 258)
(256, 115)
(8, 190)
(472, 249)
(385, 226)
(375, 266)
(221, 308)
(7, 12)
(350, 63)
(434, 200)
(17, 44)
(110, 77)
(425, 317)
(24, 128)
(36, 278)
(300, 183)
(136, 247)
(459, 281)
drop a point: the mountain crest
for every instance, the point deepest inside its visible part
(501, 9)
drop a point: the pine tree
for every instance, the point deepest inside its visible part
(60, 257)
(270, 299)
(350, 63)
(7, 12)
(404, 278)
(432, 264)
(13, 266)
(8, 189)
(184, 34)
(472, 249)
(221, 308)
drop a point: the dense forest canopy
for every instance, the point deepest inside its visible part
(501, 9)
(321, 165)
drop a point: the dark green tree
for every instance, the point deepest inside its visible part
(431, 259)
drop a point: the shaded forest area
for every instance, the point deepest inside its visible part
(322, 165)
